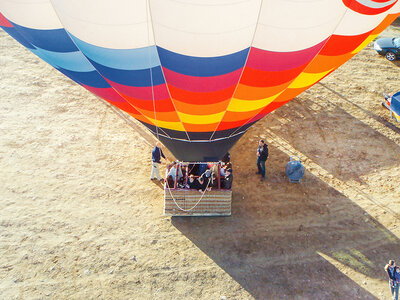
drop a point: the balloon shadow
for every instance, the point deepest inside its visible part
(285, 240)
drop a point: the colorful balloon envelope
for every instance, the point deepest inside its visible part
(196, 73)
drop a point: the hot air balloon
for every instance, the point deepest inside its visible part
(196, 73)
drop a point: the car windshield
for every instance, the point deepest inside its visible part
(396, 42)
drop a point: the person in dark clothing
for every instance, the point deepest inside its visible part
(193, 183)
(170, 182)
(205, 179)
(390, 269)
(228, 179)
(156, 155)
(214, 181)
(262, 156)
(226, 158)
(194, 169)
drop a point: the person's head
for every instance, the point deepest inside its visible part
(261, 143)
(397, 268)
(158, 144)
(191, 178)
(228, 171)
(391, 262)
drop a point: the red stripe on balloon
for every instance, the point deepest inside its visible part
(365, 10)
(280, 61)
(340, 44)
(108, 94)
(253, 77)
(4, 22)
(145, 93)
(162, 105)
(201, 84)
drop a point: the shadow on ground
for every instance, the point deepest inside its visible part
(277, 240)
(271, 245)
(344, 146)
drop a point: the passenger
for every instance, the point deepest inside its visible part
(202, 168)
(175, 170)
(170, 182)
(194, 169)
(214, 181)
(228, 179)
(214, 168)
(226, 158)
(224, 168)
(193, 183)
(204, 179)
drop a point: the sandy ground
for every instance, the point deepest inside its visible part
(80, 219)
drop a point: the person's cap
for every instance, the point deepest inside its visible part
(229, 170)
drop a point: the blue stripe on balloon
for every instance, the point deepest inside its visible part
(92, 79)
(137, 78)
(16, 35)
(123, 59)
(56, 40)
(72, 61)
(202, 66)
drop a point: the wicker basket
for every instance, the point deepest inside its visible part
(185, 202)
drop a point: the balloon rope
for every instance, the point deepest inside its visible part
(187, 210)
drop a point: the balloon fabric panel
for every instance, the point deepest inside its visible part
(200, 95)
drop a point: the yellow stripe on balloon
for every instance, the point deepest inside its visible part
(364, 44)
(307, 79)
(238, 105)
(168, 125)
(198, 119)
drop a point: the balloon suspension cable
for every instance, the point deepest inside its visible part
(187, 210)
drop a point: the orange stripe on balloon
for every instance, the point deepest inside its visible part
(199, 97)
(246, 92)
(200, 127)
(205, 109)
(163, 105)
(323, 63)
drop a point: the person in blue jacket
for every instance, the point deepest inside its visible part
(262, 156)
(156, 155)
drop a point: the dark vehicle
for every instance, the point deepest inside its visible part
(388, 47)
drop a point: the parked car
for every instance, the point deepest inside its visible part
(388, 47)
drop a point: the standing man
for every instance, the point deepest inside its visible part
(390, 268)
(262, 155)
(156, 155)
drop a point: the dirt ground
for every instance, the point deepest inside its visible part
(80, 218)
